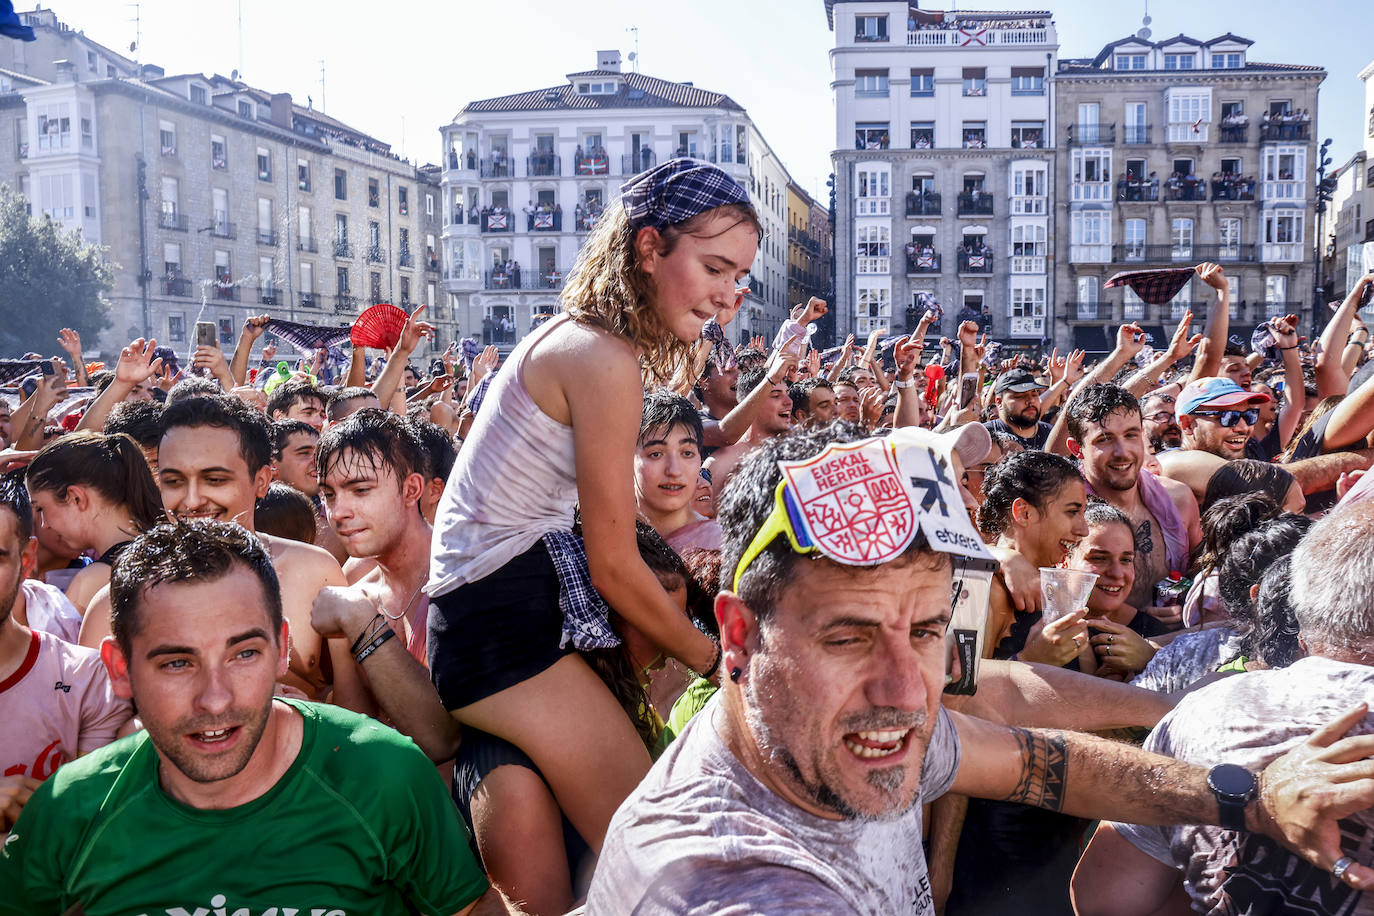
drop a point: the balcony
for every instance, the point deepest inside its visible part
(171, 219)
(176, 286)
(343, 250)
(345, 304)
(406, 259)
(1284, 132)
(1087, 311)
(922, 261)
(1090, 254)
(308, 245)
(1137, 190)
(545, 221)
(432, 262)
(923, 204)
(1233, 132)
(508, 280)
(1281, 251)
(1135, 134)
(1233, 187)
(1135, 253)
(634, 163)
(1280, 309)
(308, 300)
(269, 295)
(376, 254)
(496, 220)
(551, 278)
(975, 203)
(1092, 134)
(543, 165)
(592, 163)
(1090, 191)
(1284, 189)
(938, 38)
(1179, 189)
(974, 262)
(497, 167)
(1027, 263)
(225, 289)
(223, 229)
(267, 237)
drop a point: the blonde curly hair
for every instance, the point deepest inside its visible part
(608, 288)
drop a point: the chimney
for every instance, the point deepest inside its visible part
(608, 60)
(281, 109)
(66, 73)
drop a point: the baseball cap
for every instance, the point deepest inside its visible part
(1215, 391)
(1017, 380)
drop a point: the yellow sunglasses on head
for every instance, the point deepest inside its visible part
(784, 519)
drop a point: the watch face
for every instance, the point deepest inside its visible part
(1229, 779)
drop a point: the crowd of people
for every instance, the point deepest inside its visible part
(641, 621)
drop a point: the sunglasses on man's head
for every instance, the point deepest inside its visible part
(1229, 418)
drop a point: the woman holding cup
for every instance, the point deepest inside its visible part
(1033, 505)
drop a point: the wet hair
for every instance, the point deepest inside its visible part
(288, 394)
(1230, 517)
(800, 393)
(193, 386)
(437, 447)
(1094, 403)
(1244, 475)
(704, 565)
(14, 496)
(112, 466)
(285, 512)
(1246, 560)
(1099, 513)
(849, 375)
(665, 409)
(749, 380)
(1274, 640)
(381, 437)
(748, 500)
(609, 289)
(283, 430)
(223, 412)
(334, 407)
(197, 550)
(751, 358)
(101, 379)
(1034, 476)
(139, 420)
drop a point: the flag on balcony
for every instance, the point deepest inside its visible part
(973, 37)
(497, 221)
(308, 337)
(977, 261)
(925, 261)
(543, 220)
(11, 27)
(1154, 287)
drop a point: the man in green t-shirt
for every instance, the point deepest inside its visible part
(232, 800)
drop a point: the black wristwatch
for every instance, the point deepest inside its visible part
(1235, 787)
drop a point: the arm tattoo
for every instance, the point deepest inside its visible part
(1044, 769)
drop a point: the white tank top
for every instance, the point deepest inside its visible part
(513, 482)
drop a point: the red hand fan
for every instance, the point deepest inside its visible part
(379, 327)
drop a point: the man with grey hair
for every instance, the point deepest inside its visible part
(1247, 721)
(799, 787)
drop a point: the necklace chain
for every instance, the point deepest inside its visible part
(381, 608)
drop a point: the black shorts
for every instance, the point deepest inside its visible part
(496, 632)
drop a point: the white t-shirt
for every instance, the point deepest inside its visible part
(701, 835)
(1249, 719)
(50, 610)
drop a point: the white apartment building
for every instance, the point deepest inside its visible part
(526, 175)
(943, 162)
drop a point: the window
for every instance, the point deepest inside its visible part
(374, 193)
(975, 134)
(1282, 235)
(1275, 292)
(1137, 128)
(429, 202)
(1092, 169)
(1090, 237)
(307, 281)
(870, 135)
(870, 28)
(55, 197)
(1028, 181)
(1181, 239)
(340, 184)
(975, 81)
(266, 235)
(1028, 248)
(1133, 239)
(264, 164)
(1228, 231)
(874, 250)
(873, 308)
(374, 241)
(303, 174)
(1087, 297)
(872, 191)
(1027, 80)
(171, 260)
(403, 201)
(405, 291)
(375, 286)
(92, 62)
(1180, 61)
(922, 82)
(88, 195)
(1026, 309)
(176, 328)
(1284, 169)
(219, 212)
(922, 134)
(1190, 113)
(198, 95)
(170, 202)
(1027, 134)
(245, 109)
(54, 127)
(1130, 62)
(219, 153)
(1230, 60)
(870, 83)
(430, 289)
(341, 228)
(305, 231)
(267, 279)
(87, 128)
(341, 280)
(224, 278)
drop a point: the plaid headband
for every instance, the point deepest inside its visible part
(1154, 287)
(676, 191)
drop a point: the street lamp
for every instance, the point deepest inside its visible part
(1325, 188)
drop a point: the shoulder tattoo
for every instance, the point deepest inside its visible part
(1044, 769)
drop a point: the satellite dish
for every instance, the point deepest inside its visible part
(1143, 33)
(633, 55)
(233, 74)
(1147, 20)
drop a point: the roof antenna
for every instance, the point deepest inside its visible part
(1145, 32)
(634, 56)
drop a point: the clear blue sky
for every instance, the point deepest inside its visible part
(422, 61)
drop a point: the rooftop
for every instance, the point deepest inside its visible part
(951, 16)
(636, 90)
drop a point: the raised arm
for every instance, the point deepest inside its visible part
(238, 365)
(1130, 340)
(1218, 328)
(411, 335)
(1331, 377)
(1294, 388)
(729, 429)
(1180, 347)
(135, 366)
(71, 343)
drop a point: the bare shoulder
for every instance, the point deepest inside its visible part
(1190, 467)
(357, 568)
(297, 562)
(1180, 493)
(576, 363)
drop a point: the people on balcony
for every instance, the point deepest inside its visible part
(587, 214)
(974, 139)
(543, 162)
(496, 219)
(1226, 186)
(591, 161)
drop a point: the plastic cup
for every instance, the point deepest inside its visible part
(1064, 590)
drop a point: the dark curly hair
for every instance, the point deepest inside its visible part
(1228, 519)
(1247, 559)
(1093, 403)
(1034, 476)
